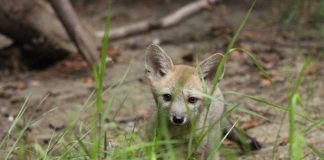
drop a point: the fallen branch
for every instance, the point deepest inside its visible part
(301, 44)
(268, 41)
(83, 39)
(165, 22)
(267, 45)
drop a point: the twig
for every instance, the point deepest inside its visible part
(264, 45)
(165, 22)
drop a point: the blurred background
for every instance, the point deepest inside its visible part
(46, 48)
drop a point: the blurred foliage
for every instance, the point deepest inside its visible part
(302, 12)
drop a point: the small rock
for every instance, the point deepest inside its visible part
(11, 118)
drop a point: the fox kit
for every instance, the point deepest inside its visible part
(177, 91)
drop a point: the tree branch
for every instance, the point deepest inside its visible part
(165, 22)
(83, 39)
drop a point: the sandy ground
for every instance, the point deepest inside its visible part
(66, 91)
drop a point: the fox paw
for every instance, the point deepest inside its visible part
(254, 144)
(251, 144)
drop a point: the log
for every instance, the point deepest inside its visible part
(34, 27)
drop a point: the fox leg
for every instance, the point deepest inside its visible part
(240, 137)
(210, 143)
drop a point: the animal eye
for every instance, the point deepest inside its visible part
(162, 74)
(167, 97)
(192, 100)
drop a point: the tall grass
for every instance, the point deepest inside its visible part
(97, 118)
(91, 141)
(296, 138)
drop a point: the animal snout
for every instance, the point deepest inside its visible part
(178, 119)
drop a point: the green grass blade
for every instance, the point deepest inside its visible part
(258, 99)
(211, 156)
(256, 62)
(114, 94)
(40, 151)
(244, 110)
(213, 124)
(221, 66)
(99, 76)
(19, 116)
(315, 124)
(296, 139)
(105, 146)
(20, 135)
(297, 151)
(73, 146)
(137, 147)
(84, 147)
(300, 76)
(275, 146)
(314, 149)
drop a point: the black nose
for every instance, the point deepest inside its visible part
(178, 119)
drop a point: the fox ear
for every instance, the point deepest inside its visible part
(209, 67)
(157, 62)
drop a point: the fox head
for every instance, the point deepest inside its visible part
(176, 88)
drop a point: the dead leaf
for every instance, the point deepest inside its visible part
(267, 64)
(236, 55)
(311, 69)
(265, 82)
(21, 86)
(250, 124)
(34, 83)
(245, 46)
(71, 64)
(89, 82)
(283, 141)
(228, 143)
(112, 53)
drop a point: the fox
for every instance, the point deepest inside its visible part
(182, 108)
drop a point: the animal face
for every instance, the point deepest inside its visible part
(176, 88)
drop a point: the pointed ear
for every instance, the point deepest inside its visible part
(209, 67)
(157, 62)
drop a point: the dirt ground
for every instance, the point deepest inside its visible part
(65, 87)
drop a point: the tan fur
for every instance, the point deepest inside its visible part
(183, 81)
